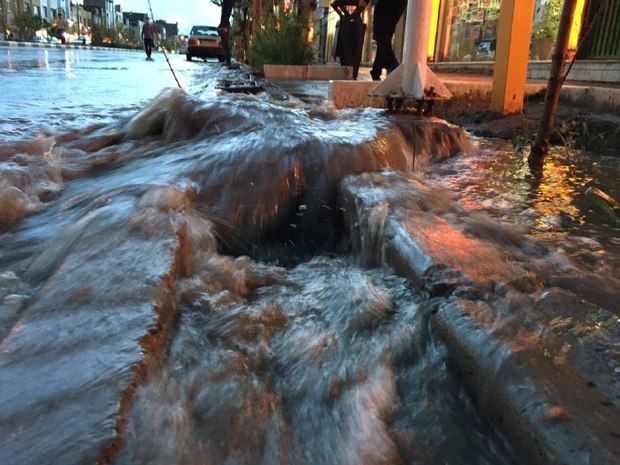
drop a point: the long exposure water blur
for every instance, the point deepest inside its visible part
(179, 283)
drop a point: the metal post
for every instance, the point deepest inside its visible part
(511, 55)
(413, 78)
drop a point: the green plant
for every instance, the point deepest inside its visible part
(547, 27)
(282, 40)
(27, 25)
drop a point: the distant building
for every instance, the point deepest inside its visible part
(167, 29)
(103, 12)
(133, 19)
(118, 15)
(47, 10)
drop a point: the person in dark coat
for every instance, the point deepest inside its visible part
(385, 18)
(224, 28)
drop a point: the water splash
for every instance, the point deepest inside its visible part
(176, 223)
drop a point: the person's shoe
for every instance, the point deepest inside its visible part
(375, 76)
(393, 67)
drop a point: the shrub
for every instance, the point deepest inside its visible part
(281, 41)
(547, 27)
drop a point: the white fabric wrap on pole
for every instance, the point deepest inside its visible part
(413, 75)
(417, 29)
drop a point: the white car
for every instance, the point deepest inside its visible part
(205, 42)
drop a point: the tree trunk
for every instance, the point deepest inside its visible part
(554, 86)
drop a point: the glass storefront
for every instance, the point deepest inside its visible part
(470, 30)
(463, 30)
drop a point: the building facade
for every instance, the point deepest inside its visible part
(102, 11)
(466, 30)
(47, 10)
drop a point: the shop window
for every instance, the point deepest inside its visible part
(471, 30)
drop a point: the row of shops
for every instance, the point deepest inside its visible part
(466, 30)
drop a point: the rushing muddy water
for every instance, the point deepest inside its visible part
(283, 346)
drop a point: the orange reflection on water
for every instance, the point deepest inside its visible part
(555, 192)
(451, 247)
(43, 62)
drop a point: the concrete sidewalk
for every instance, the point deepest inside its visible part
(601, 97)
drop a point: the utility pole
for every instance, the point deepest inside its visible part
(257, 15)
(554, 86)
(511, 55)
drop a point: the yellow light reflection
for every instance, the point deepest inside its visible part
(576, 26)
(433, 34)
(556, 195)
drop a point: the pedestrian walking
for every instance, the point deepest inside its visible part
(61, 27)
(224, 28)
(385, 18)
(148, 37)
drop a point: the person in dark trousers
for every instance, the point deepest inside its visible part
(224, 28)
(385, 18)
(148, 36)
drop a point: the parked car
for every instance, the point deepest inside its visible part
(204, 42)
(54, 40)
(39, 40)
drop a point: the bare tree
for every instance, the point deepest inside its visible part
(540, 148)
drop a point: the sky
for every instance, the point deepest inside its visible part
(185, 12)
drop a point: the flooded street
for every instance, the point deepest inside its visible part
(58, 89)
(195, 277)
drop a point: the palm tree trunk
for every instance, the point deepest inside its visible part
(554, 86)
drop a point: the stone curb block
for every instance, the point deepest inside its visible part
(90, 405)
(522, 394)
(533, 416)
(354, 94)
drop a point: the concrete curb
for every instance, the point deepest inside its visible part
(354, 94)
(596, 71)
(549, 412)
(522, 394)
(91, 403)
(313, 73)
